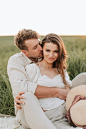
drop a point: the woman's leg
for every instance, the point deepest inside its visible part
(79, 80)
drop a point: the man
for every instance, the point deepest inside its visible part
(27, 41)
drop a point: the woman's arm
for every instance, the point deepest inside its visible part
(47, 92)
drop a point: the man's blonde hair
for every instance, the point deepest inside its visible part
(23, 35)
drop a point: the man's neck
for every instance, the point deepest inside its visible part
(33, 59)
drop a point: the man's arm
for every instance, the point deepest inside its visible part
(20, 82)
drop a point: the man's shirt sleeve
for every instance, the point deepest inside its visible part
(18, 77)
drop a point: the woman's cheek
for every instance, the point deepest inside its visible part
(45, 53)
(56, 54)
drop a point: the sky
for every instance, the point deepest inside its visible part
(63, 17)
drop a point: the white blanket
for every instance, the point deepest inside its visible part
(8, 122)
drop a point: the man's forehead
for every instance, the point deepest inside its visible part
(31, 42)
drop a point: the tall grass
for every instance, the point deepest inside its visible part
(76, 51)
(75, 46)
(7, 49)
(76, 64)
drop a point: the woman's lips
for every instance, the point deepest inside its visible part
(50, 58)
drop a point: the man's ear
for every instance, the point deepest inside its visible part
(25, 52)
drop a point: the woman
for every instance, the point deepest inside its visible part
(51, 71)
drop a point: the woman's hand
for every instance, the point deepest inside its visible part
(18, 101)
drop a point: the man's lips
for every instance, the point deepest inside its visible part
(40, 53)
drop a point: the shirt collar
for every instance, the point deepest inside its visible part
(27, 59)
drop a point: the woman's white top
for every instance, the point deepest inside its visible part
(34, 75)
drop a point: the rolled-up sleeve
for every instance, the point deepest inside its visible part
(18, 78)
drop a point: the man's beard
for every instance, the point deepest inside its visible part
(35, 59)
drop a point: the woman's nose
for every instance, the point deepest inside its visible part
(51, 54)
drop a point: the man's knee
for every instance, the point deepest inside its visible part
(30, 97)
(83, 74)
(79, 80)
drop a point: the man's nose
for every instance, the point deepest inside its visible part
(40, 47)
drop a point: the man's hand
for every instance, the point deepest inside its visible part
(62, 93)
(18, 101)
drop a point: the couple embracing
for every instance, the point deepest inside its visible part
(40, 82)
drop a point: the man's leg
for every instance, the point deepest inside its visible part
(79, 80)
(32, 115)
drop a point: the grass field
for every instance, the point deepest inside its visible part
(76, 49)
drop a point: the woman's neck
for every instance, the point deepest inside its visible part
(46, 65)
